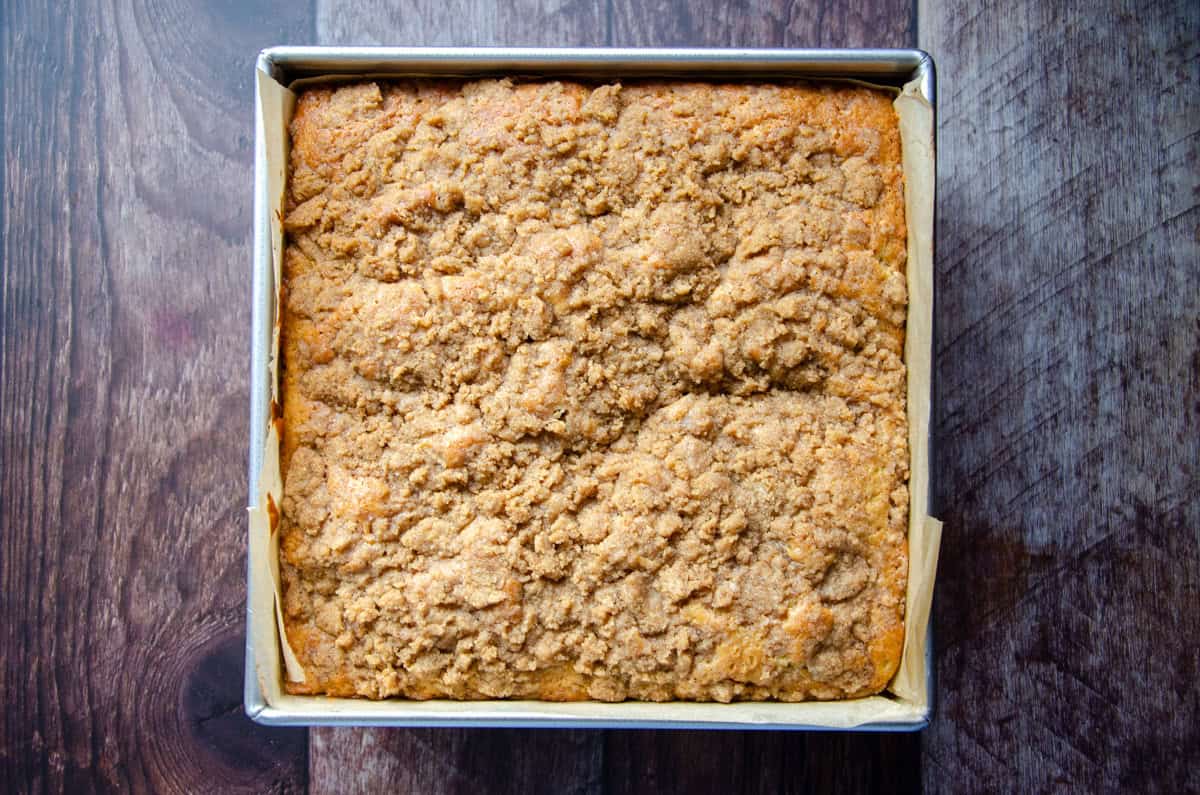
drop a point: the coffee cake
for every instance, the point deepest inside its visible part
(594, 391)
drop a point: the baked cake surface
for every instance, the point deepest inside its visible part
(594, 391)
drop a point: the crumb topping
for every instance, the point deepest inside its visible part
(594, 391)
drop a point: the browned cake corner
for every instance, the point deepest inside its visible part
(594, 392)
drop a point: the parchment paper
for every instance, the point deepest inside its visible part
(908, 700)
(924, 532)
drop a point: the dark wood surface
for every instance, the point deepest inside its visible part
(1068, 366)
(1068, 403)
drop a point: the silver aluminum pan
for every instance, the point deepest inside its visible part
(286, 65)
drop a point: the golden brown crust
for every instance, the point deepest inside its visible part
(594, 391)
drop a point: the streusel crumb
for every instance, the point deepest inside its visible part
(594, 391)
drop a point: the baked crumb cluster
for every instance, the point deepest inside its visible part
(594, 391)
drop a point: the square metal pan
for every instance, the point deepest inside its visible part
(891, 67)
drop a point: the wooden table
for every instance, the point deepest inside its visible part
(1068, 402)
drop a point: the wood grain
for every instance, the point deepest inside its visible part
(759, 762)
(1068, 365)
(456, 761)
(464, 23)
(762, 23)
(127, 154)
